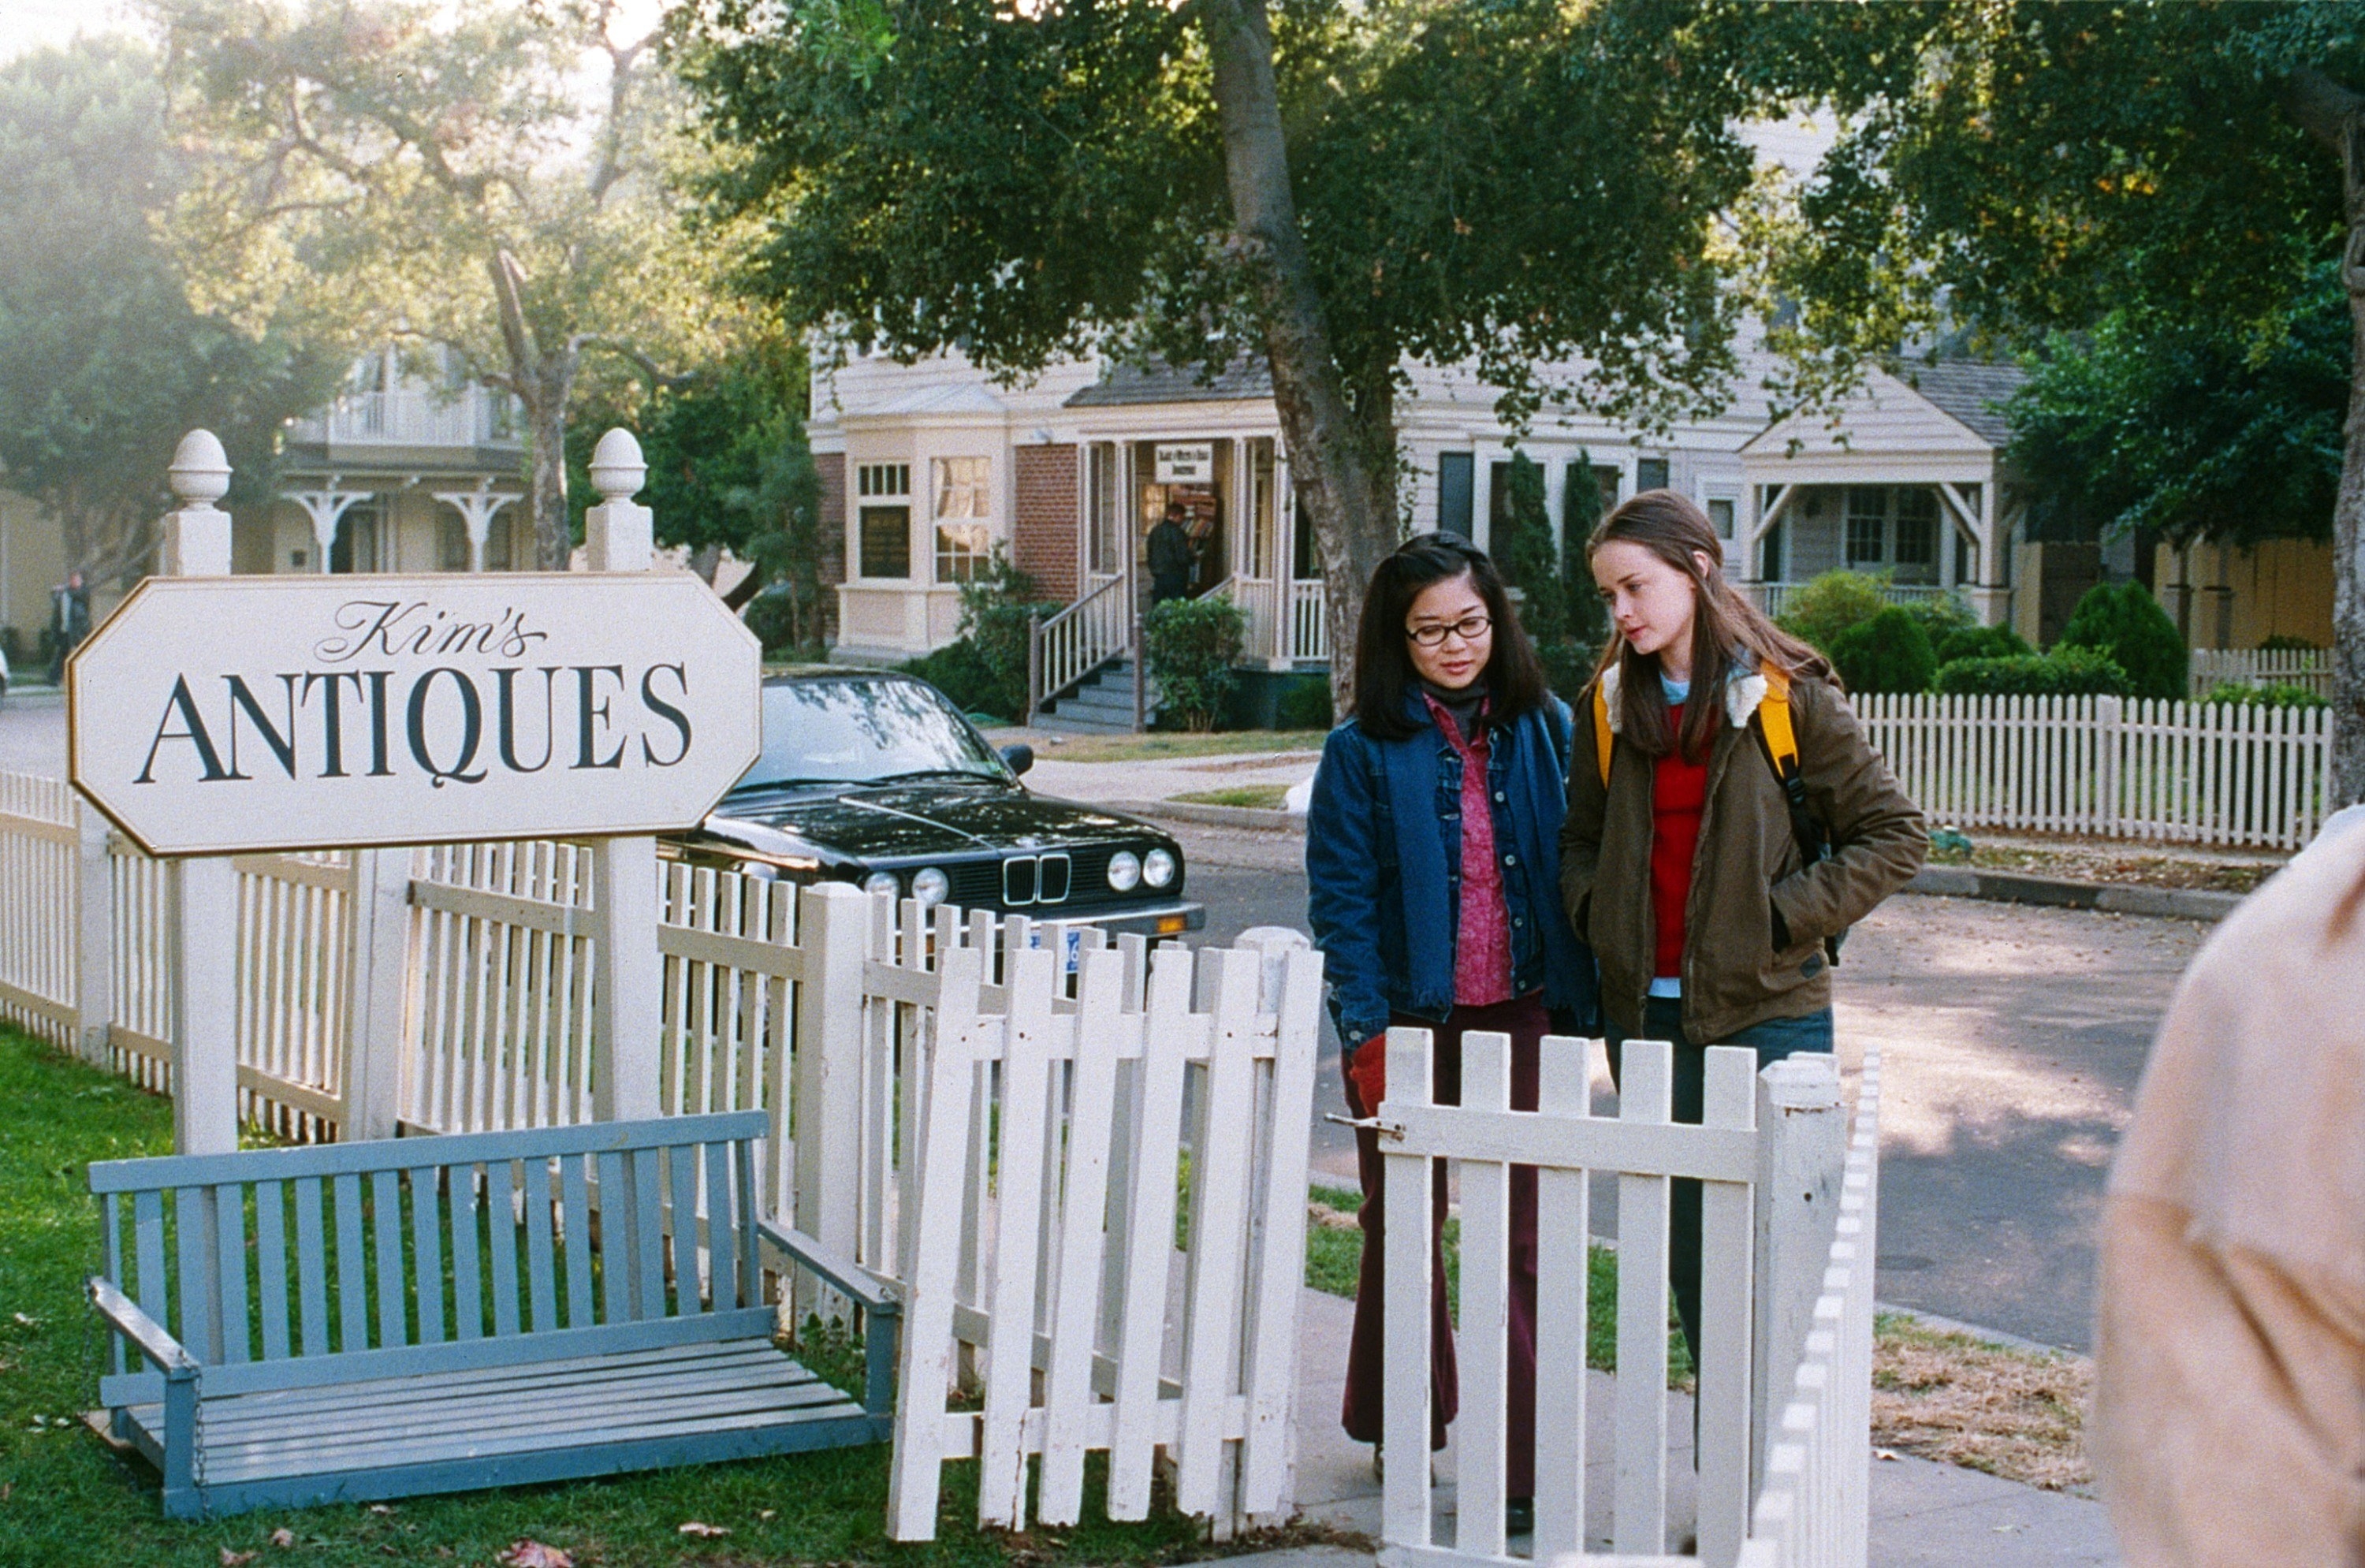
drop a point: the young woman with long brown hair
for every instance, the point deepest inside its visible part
(1681, 856)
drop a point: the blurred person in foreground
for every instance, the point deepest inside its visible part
(2229, 1407)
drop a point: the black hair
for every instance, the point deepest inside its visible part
(1384, 670)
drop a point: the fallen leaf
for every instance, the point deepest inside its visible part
(282, 1537)
(233, 1558)
(28, 1322)
(761, 1513)
(380, 1508)
(534, 1554)
(1888, 1454)
(703, 1532)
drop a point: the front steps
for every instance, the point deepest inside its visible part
(1101, 706)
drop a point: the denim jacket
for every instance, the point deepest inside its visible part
(1384, 870)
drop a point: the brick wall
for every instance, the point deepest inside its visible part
(831, 466)
(1044, 541)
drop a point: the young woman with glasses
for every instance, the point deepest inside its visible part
(1683, 870)
(1432, 851)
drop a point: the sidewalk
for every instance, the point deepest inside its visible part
(1923, 1515)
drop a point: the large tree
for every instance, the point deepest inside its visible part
(1332, 188)
(2028, 167)
(104, 362)
(500, 176)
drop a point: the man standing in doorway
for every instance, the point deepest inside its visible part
(1170, 559)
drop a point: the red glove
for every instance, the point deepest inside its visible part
(1367, 1069)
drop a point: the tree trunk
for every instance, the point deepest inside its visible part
(1338, 485)
(2336, 117)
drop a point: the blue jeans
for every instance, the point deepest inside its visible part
(1774, 1039)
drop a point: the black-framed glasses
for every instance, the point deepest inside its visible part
(1470, 628)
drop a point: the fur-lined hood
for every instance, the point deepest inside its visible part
(1743, 690)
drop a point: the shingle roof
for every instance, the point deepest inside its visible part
(1971, 392)
(1162, 383)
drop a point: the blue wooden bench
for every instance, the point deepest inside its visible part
(364, 1320)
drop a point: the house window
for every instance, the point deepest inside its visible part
(500, 543)
(1720, 515)
(1917, 535)
(1605, 493)
(1456, 472)
(883, 519)
(1649, 474)
(883, 479)
(964, 514)
(1867, 519)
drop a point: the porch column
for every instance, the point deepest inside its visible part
(476, 509)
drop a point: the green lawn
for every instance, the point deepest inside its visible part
(67, 1502)
(1256, 797)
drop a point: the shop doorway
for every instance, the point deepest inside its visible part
(1192, 482)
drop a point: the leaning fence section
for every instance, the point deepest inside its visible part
(1811, 1509)
(40, 893)
(2308, 668)
(2220, 773)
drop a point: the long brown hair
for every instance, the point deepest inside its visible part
(1725, 627)
(1384, 672)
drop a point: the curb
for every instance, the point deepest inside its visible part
(1986, 1336)
(2061, 893)
(1254, 817)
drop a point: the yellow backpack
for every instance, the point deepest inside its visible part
(1779, 741)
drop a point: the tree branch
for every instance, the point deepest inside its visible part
(659, 378)
(2319, 105)
(509, 279)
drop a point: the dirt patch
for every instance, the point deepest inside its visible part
(2016, 1413)
(2117, 864)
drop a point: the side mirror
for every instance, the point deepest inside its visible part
(1019, 758)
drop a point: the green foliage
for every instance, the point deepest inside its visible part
(2064, 672)
(2282, 643)
(105, 361)
(2241, 694)
(1304, 704)
(2161, 422)
(1979, 643)
(1827, 607)
(1889, 652)
(1950, 847)
(2123, 621)
(1559, 604)
(984, 669)
(1940, 615)
(1191, 645)
(958, 671)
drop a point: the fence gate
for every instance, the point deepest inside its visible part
(1079, 1158)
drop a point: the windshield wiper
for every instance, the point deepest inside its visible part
(763, 784)
(917, 773)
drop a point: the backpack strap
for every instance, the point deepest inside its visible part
(1602, 738)
(1780, 742)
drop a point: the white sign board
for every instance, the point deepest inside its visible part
(210, 716)
(1187, 464)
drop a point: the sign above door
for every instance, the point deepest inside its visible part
(1191, 462)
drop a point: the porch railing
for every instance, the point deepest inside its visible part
(1775, 598)
(1310, 621)
(1070, 645)
(1256, 597)
(413, 417)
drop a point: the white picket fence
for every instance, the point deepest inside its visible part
(1769, 1169)
(1077, 1162)
(2180, 772)
(2212, 667)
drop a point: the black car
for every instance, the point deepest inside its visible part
(875, 779)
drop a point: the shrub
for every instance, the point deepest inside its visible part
(1979, 643)
(2241, 694)
(1941, 616)
(1192, 644)
(2064, 672)
(957, 670)
(1304, 704)
(1828, 606)
(783, 622)
(2281, 642)
(2126, 621)
(1889, 652)
(1559, 604)
(984, 671)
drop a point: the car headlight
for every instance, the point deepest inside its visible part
(930, 886)
(879, 882)
(1124, 870)
(1158, 868)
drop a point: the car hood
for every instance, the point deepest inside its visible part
(917, 821)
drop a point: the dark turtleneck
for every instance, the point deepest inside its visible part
(1463, 704)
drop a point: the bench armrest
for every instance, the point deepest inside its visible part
(142, 1330)
(833, 1268)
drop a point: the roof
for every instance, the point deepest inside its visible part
(1159, 382)
(941, 398)
(1970, 391)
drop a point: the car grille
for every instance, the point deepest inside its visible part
(1049, 884)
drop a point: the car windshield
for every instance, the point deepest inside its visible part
(866, 732)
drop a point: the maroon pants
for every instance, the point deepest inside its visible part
(1525, 1022)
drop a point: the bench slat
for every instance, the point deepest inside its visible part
(723, 1245)
(386, 1226)
(451, 1149)
(112, 1206)
(682, 1166)
(312, 1268)
(648, 1229)
(616, 1300)
(148, 1247)
(271, 1266)
(501, 1231)
(230, 1264)
(574, 1193)
(352, 1269)
(194, 1328)
(751, 1271)
(467, 1289)
(426, 1240)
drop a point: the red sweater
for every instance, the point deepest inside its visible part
(1678, 790)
